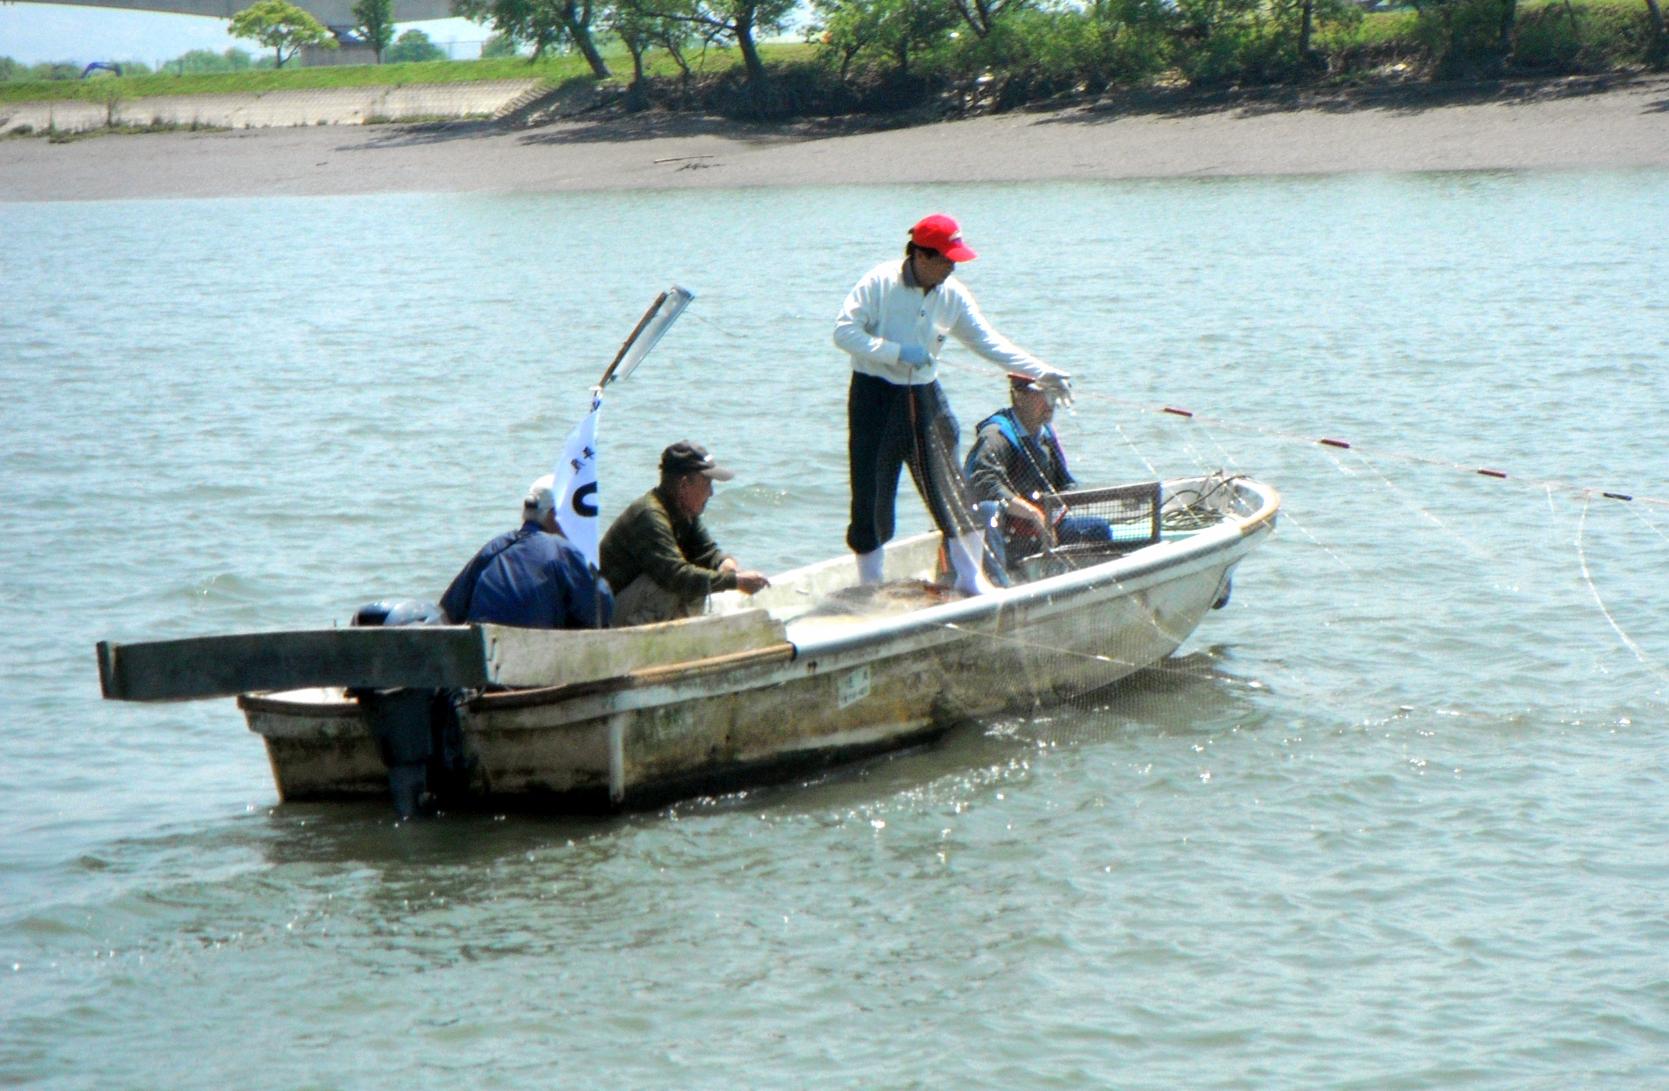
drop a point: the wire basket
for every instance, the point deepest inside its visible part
(1095, 524)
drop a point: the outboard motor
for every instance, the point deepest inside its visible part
(417, 730)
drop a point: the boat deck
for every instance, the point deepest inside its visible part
(851, 607)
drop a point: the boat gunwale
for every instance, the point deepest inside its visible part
(1121, 570)
(1233, 534)
(524, 696)
(660, 674)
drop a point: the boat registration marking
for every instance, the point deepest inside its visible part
(852, 687)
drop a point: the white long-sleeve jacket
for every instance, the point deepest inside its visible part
(883, 313)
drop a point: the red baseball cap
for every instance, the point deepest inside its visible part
(939, 232)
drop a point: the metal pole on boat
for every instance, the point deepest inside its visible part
(655, 322)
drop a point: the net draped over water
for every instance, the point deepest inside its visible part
(1390, 817)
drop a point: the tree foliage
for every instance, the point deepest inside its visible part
(282, 27)
(544, 24)
(954, 55)
(207, 60)
(640, 31)
(888, 54)
(414, 46)
(741, 22)
(500, 45)
(375, 20)
(882, 32)
(1467, 37)
(640, 24)
(983, 16)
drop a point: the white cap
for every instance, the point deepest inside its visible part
(541, 497)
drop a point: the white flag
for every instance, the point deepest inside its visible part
(576, 483)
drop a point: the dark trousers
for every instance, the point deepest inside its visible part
(890, 426)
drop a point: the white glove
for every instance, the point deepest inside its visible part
(1057, 387)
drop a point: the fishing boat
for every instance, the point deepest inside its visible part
(813, 671)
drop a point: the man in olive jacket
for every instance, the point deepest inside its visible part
(658, 557)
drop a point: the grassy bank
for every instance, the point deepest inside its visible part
(555, 69)
(259, 81)
(1034, 54)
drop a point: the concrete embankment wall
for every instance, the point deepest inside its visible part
(331, 106)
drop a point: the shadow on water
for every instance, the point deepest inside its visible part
(1185, 695)
(467, 886)
(1193, 694)
(370, 833)
(348, 878)
(333, 836)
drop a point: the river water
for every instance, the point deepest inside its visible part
(1397, 817)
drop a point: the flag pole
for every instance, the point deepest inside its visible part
(608, 373)
(574, 477)
(656, 322)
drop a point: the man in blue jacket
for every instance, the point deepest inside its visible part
(532, 578)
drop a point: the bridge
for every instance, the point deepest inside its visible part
(332, 13)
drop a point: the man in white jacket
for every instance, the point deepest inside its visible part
(893, 324)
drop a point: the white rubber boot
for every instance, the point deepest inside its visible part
(967, 554)
(869, 567)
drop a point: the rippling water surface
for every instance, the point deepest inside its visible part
(1396, 817)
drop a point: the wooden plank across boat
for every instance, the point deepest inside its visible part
(810, 672)
(418, 655)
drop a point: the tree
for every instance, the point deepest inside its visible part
(283, 26)
(1466, 37)
(203, 60)
(1657, 50)
(499, 45)
(982, 16)
(741, 21)
(55, 70)
(640, 32)
(543, 23)
(1298, 19)
(376, 22)
(633, 29)
(414, 46)
(894, 29)
(198, 61)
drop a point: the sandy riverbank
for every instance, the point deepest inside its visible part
(1604, 123)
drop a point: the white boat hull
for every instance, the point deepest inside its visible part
(840, 685)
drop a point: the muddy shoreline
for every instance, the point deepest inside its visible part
(1597, 123)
